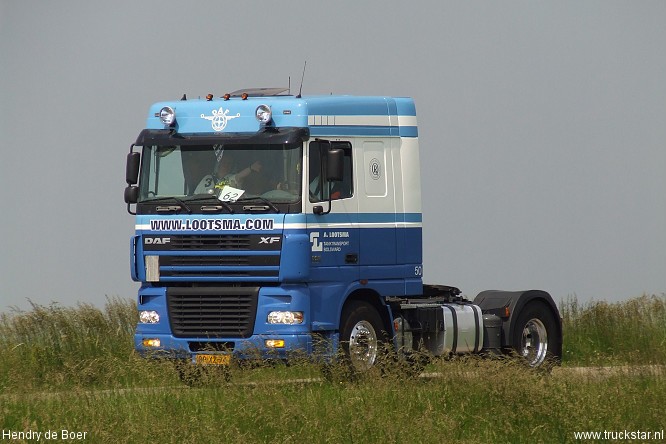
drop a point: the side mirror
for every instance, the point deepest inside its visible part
(335, 163)
(131, 194)
(132, 168)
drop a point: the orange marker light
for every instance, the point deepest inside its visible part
(151, 342)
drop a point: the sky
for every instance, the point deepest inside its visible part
(542, 127)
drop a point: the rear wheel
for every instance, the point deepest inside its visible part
(535, 335)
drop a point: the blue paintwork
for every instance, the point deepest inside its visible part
(388, 245)
(288, 112)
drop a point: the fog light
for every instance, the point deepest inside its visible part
(151, 342)
(285, 317)
(274, 343)
(149, 317)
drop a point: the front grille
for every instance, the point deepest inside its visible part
(179, 261)
(212, 274)
(211, 242)
(216, 257)
(212, 312)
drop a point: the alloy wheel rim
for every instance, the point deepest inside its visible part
(534, 342)
(363, 345)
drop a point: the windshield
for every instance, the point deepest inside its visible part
(191, 172)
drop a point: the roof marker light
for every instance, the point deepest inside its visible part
(244, 96)
(227, 96)
(209, 97)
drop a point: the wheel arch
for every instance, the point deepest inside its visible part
(372, 298)
(497, 302)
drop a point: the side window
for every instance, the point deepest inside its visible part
(165, 171)
(321, 189)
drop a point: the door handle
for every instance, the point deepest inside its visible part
(351, 259)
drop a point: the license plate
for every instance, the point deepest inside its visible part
(218, 359)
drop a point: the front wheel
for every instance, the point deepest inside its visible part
(536, 335)
(362, 336)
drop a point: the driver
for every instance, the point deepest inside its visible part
(224, 174)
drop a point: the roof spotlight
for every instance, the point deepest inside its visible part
(264, 114)
(168, 116)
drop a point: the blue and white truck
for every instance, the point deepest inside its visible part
(271, 223)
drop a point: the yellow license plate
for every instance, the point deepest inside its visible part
(213, 359)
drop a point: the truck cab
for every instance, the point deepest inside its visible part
(264, 220)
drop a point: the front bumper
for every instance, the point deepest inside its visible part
(186, 329)
(253, 347)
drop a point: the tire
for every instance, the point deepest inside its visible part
(362, 336)
(536, 335)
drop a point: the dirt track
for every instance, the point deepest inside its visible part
(602, 372)
(590, 372)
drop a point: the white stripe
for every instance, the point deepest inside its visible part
(350, 225)
(362, 121)
(303, 226)
(407, 121)
(337, 120)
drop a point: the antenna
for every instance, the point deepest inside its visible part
(302, 77)
(289, 87)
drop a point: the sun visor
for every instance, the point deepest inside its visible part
(266, 136)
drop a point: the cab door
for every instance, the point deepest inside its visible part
(332, 214)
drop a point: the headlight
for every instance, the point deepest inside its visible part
(285, 317)
(264, 114)
(149, 317)
(168, 116)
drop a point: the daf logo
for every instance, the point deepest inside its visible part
(156, 240)
(269, 240)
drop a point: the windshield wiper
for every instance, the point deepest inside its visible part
(182, 204)
(223, 204)
(263, 199)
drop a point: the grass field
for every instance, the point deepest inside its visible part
(74, 369)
